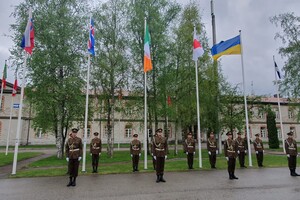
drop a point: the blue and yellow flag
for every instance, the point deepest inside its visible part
(228, 47)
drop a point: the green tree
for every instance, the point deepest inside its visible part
(272, 129)
(54, 89)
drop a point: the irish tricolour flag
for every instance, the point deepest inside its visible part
(147, 56)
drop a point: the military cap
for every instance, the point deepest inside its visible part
(96, 134)
(257, 134)
(239, 133)
(74, 130)
(290, 133)
(158, 130)
(228, 133)
(190, 133)
(135, 135)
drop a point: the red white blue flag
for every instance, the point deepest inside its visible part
(91, 43)
(28, 37)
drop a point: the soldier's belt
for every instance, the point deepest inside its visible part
(213, 146)
(136, 149)
(190, 147)
(292, 148)
(231, 151)
(241, 146)
(96, 147)
(74, 150)
(159, 149)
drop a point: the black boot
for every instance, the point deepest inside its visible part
(157, 178)
(136, 168)
(234, 177)
(70, 182)
(74, 181)
(230, 175)
(293, 173)
(96, 169)
(162, 178)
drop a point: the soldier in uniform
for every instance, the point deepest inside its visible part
(135, 152)
(73, 156)
(259, 150)
(230, 150)
(212, 150)
(190, 148)
(95, 151)
(241, 149)
(159, 149)
(291, 152)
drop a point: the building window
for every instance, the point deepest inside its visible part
(250, 131)
(105, 131)
(263, 132)
(277, 113)
(88, 131)
(293, 129)
(279, 132)
(291, 114)
(261, 114)
(128, 130)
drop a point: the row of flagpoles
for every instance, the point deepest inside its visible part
(228, 47)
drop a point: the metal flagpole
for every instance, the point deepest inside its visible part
(245, 102)
(9, 126)
(145, 114)
(198, 117)
(14, 169)
(86, 113)
(2, 90)
(279, 109)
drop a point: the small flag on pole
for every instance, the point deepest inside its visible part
(147, 55)
(15, 88)
(197, 47)
(228, 47)
(91, 43)
(277, 70)
(4, 76)
(28, 37)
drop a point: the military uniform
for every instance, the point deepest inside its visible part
(291, 151)
(74, 155)
(135, 151)
(159, 149)
(95, 150)
(259, 150)
(189, 147)
(230, 150)
(241, 150)
(212, 149)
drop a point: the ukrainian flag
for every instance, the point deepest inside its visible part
(228, 47)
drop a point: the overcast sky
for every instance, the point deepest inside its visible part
(250, 16)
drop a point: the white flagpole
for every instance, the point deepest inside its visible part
(14, 169)
(145, 114)
(198, 117)
(86, 113)
(9, 126)
(279, 109)
(245, 102)
(1, 90)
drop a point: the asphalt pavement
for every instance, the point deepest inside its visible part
(264, 184)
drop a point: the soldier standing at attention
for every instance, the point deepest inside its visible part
(241, 149)
(95, 150)
(259, 150)
(135, 152)
(230, 154)
(212, 150)
(74, 155)
(189, 149)
(159, 149)
(291, 152)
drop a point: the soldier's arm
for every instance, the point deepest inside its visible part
(207, 145)
(286, 147)
(184, 146)
(254, 145)
(153, 148)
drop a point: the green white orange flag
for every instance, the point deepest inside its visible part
(4, 76)
(147, 56)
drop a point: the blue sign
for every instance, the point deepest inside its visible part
(16, 105)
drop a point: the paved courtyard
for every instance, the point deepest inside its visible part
(266, 183)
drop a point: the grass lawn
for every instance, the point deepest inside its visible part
(6, 160)
(121, 163)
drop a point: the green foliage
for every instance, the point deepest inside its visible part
(272, 130)
(6, 160)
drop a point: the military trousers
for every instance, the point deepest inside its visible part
(260, 158)
(135, 161)
(160, 165)
(242, 159)
(231, 165)
(292, 160)
(213, 159)
(190, 159)
(95, 160)
(73, 167)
